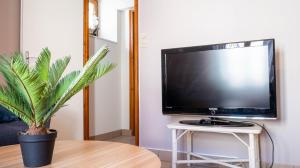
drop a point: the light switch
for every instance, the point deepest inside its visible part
(143, 40)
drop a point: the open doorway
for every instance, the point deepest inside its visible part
(111, 105)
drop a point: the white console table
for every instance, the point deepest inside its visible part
(179, 130)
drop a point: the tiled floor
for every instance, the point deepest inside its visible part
(168, 165)
(165, 164)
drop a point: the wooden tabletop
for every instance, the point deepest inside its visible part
(87, 154)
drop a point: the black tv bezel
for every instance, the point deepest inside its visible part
(254, 113)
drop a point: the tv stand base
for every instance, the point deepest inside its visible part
(181, 130)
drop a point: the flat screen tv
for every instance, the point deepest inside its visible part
(233, 80)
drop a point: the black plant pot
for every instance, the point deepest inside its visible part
(37, 150)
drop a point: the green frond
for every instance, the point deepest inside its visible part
(53, 88)
(59, 90)
(6, 72)
(12, 82)
(42, 64)
(12, 101)
(24, 81)
(35, 94)
(80, 81)
(101, 70)
(57, 69)
(63, 85)
(30, 81)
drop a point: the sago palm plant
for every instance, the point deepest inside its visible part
(35, 94)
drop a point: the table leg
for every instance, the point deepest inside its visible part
(254, 160)
(189, 146)
(174, 148)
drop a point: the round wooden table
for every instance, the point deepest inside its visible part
(79, 154)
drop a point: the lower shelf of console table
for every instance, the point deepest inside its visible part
(181, 130)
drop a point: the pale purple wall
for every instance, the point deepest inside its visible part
(178, 23)
(9, 26)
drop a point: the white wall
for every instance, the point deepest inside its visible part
(178, 23)
(105, 98)
(124, 53)
(10, 26)
(109, 17)
(58, 24)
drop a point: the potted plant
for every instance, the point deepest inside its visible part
(35, 94)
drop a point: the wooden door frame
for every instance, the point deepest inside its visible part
(136, 70)
(86, 54)
(131, 74)
(86, 122)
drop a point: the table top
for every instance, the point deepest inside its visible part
(217, 129)
(96, 154)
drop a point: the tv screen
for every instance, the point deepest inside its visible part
(228, 80)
